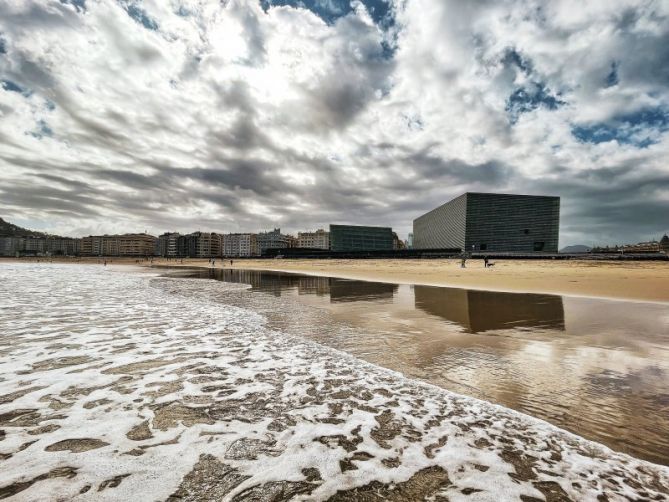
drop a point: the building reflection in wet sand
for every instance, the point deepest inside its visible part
(339, 290)
(479, 311)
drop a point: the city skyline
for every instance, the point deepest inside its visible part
(247, 115)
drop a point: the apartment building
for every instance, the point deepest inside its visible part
(168, 244)
(11, 246)
(119, 245)
(62, 246)
(272, 240)
(320, 239)
(136, 245)
(200, 245)
(240, 245)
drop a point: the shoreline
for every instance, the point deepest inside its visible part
(641, 281)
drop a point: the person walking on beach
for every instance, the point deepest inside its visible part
(485, 262)
(231, 263)
(463, 261)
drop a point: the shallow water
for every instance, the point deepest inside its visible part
(598, 368)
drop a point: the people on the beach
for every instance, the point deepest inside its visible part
(485, 262)
(463, 261)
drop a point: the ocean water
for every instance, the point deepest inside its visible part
(118, 384)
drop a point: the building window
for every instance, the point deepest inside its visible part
(484, 247)
(526, 231)
(539, 246)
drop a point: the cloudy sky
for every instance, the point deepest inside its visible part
(233, 115)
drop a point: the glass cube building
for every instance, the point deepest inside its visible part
(492, 222)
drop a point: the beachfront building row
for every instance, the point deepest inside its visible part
(207, 245)
(661, 246)
(37, 246)
(203, 244)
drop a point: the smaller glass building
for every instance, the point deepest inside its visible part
(360, 238)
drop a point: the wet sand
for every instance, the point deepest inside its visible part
(633, 280)
(629, 280)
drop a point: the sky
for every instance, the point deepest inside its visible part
(244, 115)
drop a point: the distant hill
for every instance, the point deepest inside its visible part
(9, 229)
(579, 248)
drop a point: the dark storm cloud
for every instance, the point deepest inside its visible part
(599, 204)
(36, 15)
(429, 168)
(49, 198)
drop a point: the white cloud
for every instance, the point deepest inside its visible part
(229, 117)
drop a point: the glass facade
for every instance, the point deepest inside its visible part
(360, 238)
(491, 222)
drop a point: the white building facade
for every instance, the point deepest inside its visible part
(240, 245)
(320, 239)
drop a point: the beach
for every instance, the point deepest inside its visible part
(119, 384)
(646, 281)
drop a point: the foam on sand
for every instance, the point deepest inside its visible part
(122, 386)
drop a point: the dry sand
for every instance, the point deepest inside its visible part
(629, 280)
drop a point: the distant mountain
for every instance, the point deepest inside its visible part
(9, 229)
(579, 248)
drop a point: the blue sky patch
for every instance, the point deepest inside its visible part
(640, 128)
(140, 15)
(8, 85)
(80, 5)
(530, 97)
(513, 58)
(42, 130)
(331, 10)
(612, 78)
